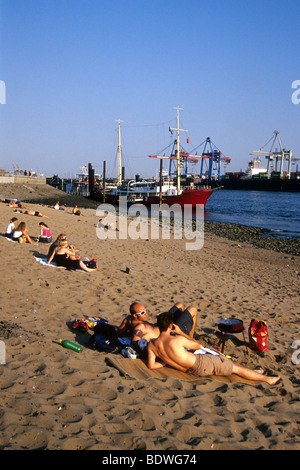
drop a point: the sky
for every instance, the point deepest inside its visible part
(72, 68)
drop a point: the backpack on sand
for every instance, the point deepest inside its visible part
(104, 338)
(258, 335)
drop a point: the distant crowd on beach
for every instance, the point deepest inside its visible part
(60, 252)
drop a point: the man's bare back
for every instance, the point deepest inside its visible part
(172, 350)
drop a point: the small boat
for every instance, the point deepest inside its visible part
(158, 190)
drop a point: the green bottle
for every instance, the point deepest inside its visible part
(68, 344)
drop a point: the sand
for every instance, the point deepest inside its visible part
(52, 398)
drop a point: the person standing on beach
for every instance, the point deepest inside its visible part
(176, 351)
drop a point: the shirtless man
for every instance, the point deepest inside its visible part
(175, 352)
(36, 214)
(138, 315)
(141, 331)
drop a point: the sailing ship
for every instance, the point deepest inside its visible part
(162, 190)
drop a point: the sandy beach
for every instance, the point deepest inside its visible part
(52, 398)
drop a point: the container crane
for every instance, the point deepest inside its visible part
(281, 157)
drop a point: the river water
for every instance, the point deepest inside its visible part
(276, 212)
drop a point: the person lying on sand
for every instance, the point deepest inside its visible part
(58, 207)
(176, 351)
(19, 205)
(63, 256)
(36, 214)
(141, 331)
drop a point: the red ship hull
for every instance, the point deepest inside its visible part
(191, 197)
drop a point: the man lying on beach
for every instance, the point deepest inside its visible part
(141, 331)
(177, 351)
(36, 214)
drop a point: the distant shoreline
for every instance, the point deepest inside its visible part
(255, 236)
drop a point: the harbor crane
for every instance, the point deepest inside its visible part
(214, 157)
(281, 156)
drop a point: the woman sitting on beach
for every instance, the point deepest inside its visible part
(10, 228)
(64, 256)
(45, 234)
(55, 244)
(21, 235)
(36, 214)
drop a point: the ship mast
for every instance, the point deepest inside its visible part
(178, 149)
(119, 154)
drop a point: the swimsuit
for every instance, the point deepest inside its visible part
(63, 260)
(16, 235)
(206, 364)
(183, 319)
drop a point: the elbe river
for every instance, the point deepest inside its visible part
(278, 213)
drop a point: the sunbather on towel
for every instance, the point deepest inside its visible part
(63, 256)
(175, 351)
(141, 331)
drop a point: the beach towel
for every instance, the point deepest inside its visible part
(45, 263)
(54, 265)
(137, 369)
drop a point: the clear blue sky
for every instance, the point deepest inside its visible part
(73, 67)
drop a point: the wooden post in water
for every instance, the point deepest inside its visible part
(160, 182)
(104, 180)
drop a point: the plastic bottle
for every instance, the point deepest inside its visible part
(2, 353)
(68, 344)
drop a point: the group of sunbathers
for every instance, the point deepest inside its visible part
(18, 232)
(171, 342)
(61, 252)
(66, 255)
